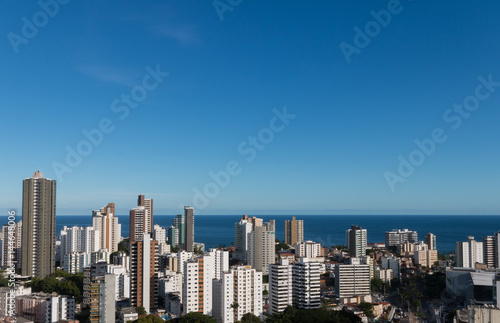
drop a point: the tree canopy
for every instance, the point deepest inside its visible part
(197, 317)
(250, 318)
(367, 308)
(291, 315)
(71, 285)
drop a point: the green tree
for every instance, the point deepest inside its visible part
(123, 245)
(367, 308)
(376, 284)
(198, 250)
(282, 246)
(141, 310)
(4, 282)
(250, 318)
(197, 317)
(234, 306)
(149, 319)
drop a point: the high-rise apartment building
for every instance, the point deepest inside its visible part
(280, 286)
(197, 288)
(397, 237)
(139, 223)
(241, 285)
(122, 281)
(182, 257)
(78, 239)
(144, 273)
(255, 221)
(179, 223)
(16, 232)
(389, 262)
(39, 226)
(469, 253)
(183, 232)
(173, 236)
(305, 282)
(262, 247)
(356, 239)
(74, 262)
(99, 293)
(294, 231)
(160, 235)
(105, 221)
(490, 251)
(189, 216)
(497, 253)
(148, 204)
(307, 249)
(242, 230)
(171, 282)
(430, 240)
(89, 275)
(220, 261)
(352, 282)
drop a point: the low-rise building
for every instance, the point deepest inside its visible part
(126, 314)
(45, 308)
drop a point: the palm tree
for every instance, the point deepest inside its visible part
(235, 306)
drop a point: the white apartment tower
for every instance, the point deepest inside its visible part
(352, 282)
(242, 285)
(469, 253)
(242, 230)
(220, 259)
(356, 238)
(160, 235)
(105, 221)
(280, 286)
(397, 237)
(307, 249)
(79, 239)
(197, 291)
(305, 282)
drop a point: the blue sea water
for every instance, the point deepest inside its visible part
(215, 230)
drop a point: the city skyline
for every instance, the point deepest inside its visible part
(332, 124)
(247, 161)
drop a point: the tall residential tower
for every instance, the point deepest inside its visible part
(39, 226)
(294, 231)
(356, 241)
(105, 221)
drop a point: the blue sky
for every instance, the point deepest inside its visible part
(352, 120)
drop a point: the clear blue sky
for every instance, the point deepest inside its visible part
(225, 78)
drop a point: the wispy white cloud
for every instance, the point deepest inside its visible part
(185, 34)
(110, 74)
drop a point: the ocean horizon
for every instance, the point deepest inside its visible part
(215, 230)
